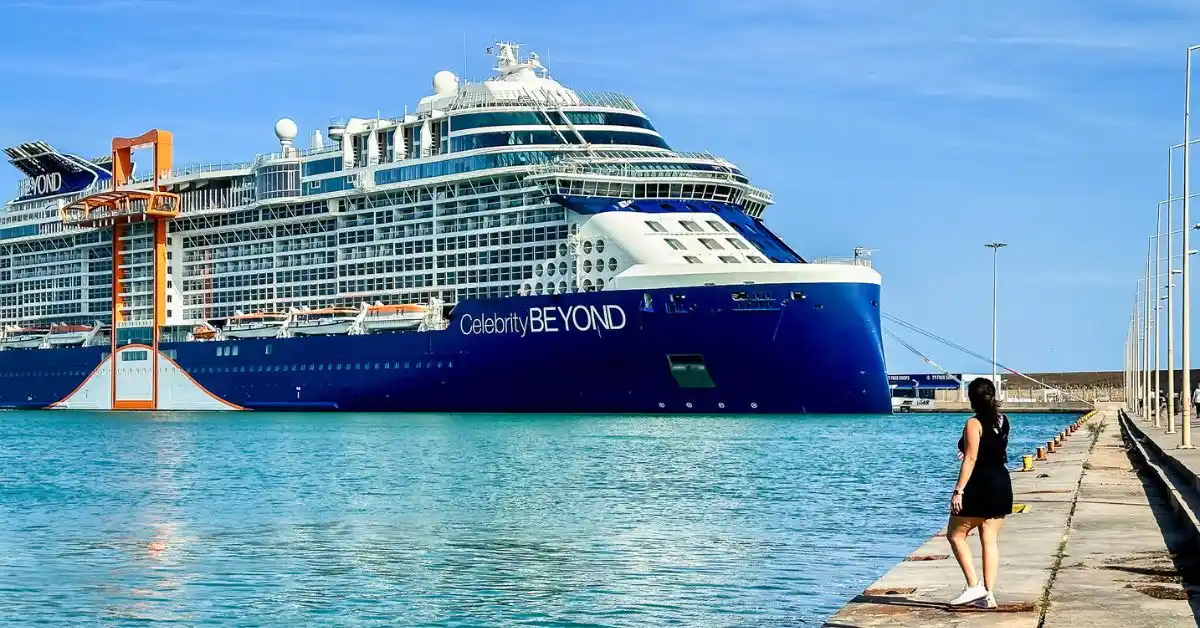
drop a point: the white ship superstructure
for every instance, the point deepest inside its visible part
(461, 199)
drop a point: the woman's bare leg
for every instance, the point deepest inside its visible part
(956, 533)
(989, 536)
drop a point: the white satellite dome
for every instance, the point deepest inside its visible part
(286, 130)
(445, 82)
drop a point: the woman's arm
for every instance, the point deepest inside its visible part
(971, 434)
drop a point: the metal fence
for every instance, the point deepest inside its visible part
(1090, 394)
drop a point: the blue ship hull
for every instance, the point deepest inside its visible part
(781, 348)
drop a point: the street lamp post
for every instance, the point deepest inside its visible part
(1157, 316)
(1129, 365)
(1147, 387)
(1185, 283)
(1171, 287)
(995, 247)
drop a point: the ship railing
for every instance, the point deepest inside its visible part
(624, 170)
(197, 168)
(582, 98)
(704, 155)
(844, 261)
(760, 194)
(335, 147)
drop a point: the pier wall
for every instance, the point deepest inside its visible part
(1089, 546)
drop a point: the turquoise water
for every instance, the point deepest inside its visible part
(357, 520)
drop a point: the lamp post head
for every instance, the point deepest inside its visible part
(995, 245)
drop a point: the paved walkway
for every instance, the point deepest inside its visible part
(1124, 553)
(1089, 544)
(1189, 459)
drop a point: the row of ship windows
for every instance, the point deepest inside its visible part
(352, 366)
(501, 238)
(489, 292)
(297, 210)
(484, 275)
(316, 289)
(467, 121)
(587, 266)
(537, 138)
(708, 243)
(410, 262)
(502, 256)
(563, 287)
(143, 356)
(689, 225)
(461, 165)
(728, 259)
(211, 311)
(320, 257)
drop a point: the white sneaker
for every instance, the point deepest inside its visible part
(988, 601)
(969, 595)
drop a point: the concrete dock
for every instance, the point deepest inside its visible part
(1097, 544)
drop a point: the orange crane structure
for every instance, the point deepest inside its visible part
(116, 210)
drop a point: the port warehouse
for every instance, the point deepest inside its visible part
(1090, 385)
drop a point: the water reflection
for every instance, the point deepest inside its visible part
(274, 519)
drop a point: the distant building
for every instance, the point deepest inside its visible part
(932, 386)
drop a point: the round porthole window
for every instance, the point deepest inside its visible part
(587, 247)
(587, 284)
(549, 270)
(537, 289)
(537, 270)
(612, 264)
(587, 265)
(599, 284)
(599, 246)
(562, 287)
(562, 268)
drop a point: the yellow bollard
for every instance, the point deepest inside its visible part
(1027, 463)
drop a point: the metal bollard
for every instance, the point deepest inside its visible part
(1027, 463)
(1049, 446)
(1041, 453)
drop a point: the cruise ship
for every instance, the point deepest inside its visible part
(509, 245)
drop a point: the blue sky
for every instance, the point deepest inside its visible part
(921, 128)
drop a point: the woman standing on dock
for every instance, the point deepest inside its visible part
(983, 494)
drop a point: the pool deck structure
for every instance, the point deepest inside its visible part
(1105, 537)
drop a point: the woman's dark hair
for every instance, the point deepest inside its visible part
(982, 393)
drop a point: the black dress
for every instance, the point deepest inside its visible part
(988, 493)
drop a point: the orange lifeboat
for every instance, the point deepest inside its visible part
(256, 325)
(324, 322)
(382, 318)
(63, 335)
(24, 337)
(204, 333)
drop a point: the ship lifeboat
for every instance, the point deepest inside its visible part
(68, 335)
(24, 337)
(201, 332)
(324, 322)
(257, 325)
(387, 318)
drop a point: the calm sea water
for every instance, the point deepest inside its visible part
(357, 520)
